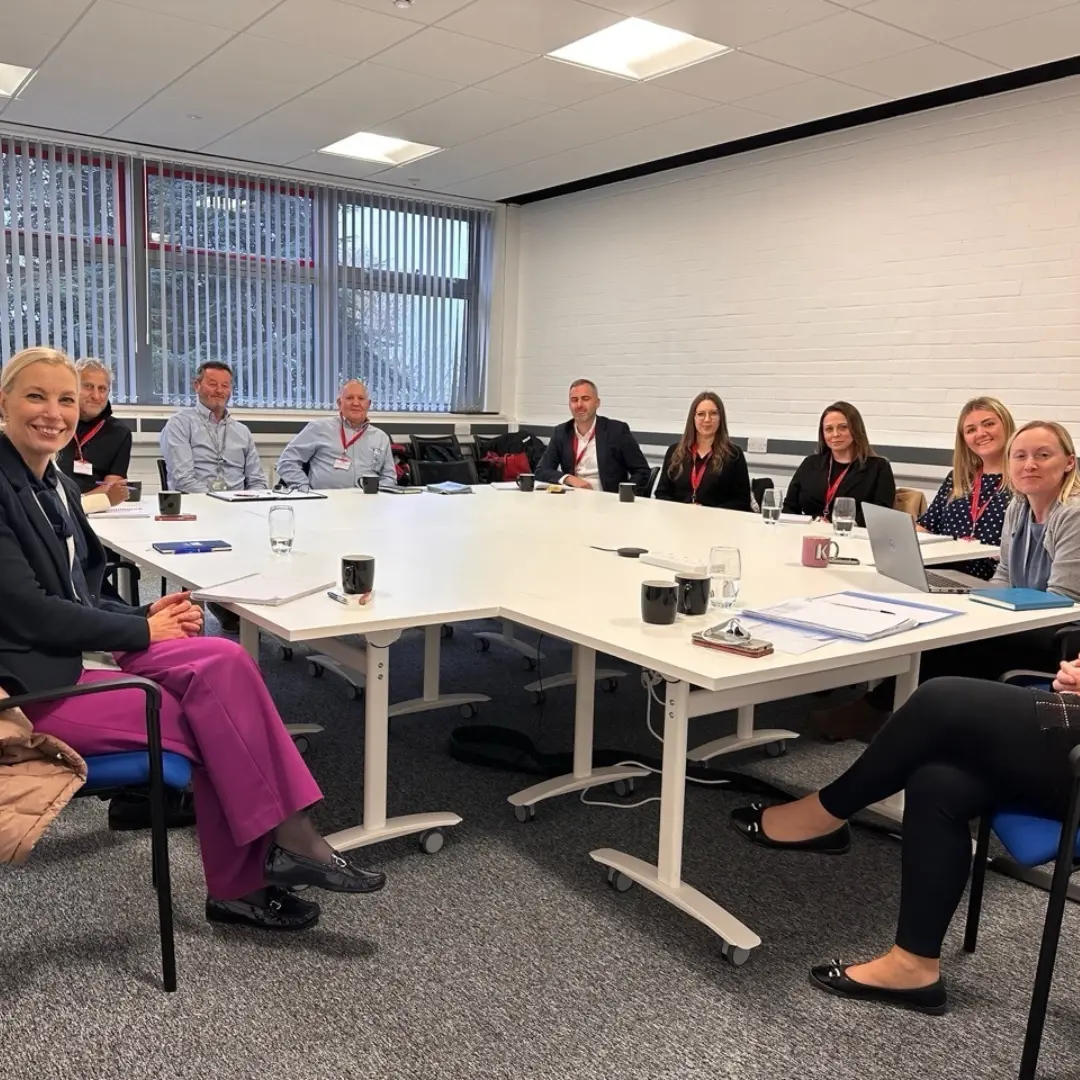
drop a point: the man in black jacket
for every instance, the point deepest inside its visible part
(592, 451)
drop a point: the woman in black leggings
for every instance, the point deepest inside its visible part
(959, 748)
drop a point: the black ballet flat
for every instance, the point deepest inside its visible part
(282, 911)
(833, 979)
(746, 821)
(287, 869)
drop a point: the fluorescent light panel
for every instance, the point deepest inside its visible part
(638, 49)
(13, 78)
(381, 148)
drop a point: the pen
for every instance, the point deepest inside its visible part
(856, 607)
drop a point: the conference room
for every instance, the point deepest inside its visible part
(742, 334)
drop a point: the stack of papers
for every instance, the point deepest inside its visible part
(125, 510)
(263, 495)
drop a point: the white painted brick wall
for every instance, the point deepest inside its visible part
(905, 266)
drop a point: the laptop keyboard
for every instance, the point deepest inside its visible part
(941, 583)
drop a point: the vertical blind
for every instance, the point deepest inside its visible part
(63, 253)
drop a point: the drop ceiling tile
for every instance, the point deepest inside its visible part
(427, 11)
(842, 41)
(81, 114)
(1053, 35)
(231, 14)
(21, 46)
(732, 76)
(278, 137)
(629, 8)
(738, 22)
(460, 117)
(333, 27)
(634, 106)
(460, 59)
(942, 21)
(538, 27)
(721, 124)
(45, 17)
(553, 82)
(811, 100)
(167, 121)
(918, 72)
(348, 168)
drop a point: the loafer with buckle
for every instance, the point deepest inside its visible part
(746, 821)
(834, 979)
(287, 869)
(282, 911)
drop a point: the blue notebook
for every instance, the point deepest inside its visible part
(1020, 599)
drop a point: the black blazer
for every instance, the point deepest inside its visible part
(617, 454)
(44, 630)
(728, 487)
(870, 481)
(109, 451)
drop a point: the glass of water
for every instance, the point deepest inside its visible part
(725, 569)
(843, 516)
(771, 502)
(282, 526)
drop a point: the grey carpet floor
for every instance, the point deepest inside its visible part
(505, 955)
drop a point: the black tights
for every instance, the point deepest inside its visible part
(958, 748)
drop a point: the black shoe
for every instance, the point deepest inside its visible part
(229, 620)
(131, 811)
(746, 821)
(833, 978)
(282, 911)
(288, 869)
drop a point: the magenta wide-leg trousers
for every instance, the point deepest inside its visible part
(217, 712)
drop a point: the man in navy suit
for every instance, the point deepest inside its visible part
(592, 451)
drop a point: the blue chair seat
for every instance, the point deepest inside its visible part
(1030, 840)
(132, 769)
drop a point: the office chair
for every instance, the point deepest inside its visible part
(437, 472)
(911, 501)
(650, 484)
(112, 774)
(163, 473)
(758, 487)
(436, 448)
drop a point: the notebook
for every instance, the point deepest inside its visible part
(1020, 599)
(263, 495)
(449, 487)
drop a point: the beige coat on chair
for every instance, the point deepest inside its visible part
(911, 501)
(38, 776)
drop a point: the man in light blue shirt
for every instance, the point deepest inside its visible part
(204, 448)
(337, 450)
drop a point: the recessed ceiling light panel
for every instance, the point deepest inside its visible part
(381, 148)
(638, 49)
(13, 79)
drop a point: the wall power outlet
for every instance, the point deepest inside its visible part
(757, 445)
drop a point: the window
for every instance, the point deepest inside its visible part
(64, 257)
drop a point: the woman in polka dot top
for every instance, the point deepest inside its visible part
(972, 501)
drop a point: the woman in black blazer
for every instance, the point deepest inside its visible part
(845, 465)
(705, 466)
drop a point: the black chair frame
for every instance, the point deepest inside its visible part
(158, 832)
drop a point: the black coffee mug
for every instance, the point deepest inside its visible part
(357, 574)
(134, 490)
(168, 503)
(693, 593)
(526, 481)
(626, 493)
(659, 602)
(369, 485)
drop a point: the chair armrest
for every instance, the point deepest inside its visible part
(1026, 673)
(1067, 639)
(122, 682)
(1074, 761)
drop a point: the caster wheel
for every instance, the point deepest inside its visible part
(776, 749)
(538, 697)
(447, 631)
(432, 841)
(529, 663)
(609, 686)
(525, 813)
(623, 788)
(353, 692)
(619, 881)
(301, 744)
(285, 653)
(315, 670)
(735, 957)
(468, 711)
(482, 644)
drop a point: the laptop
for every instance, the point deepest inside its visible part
(897, 554)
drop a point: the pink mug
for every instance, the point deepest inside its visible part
(818, 550)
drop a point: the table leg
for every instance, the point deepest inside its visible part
(249, 638)
(745, 737)
(665, 878)
(432, 699)
(584, 775)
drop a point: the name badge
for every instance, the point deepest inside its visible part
(342, 463)
(83, 468)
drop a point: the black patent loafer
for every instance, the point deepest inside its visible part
(746, 821)
(282, 911)
(287, 869)
(833, 979)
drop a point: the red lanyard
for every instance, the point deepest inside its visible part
(579, 456)
(80, 443)
(696, 475)
(830, 491)
(345, 445)
(978, 510)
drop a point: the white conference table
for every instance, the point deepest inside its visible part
(528, 558)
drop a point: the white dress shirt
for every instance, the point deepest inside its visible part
(587, 469)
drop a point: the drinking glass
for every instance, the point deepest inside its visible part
(771, 502)
(843, 516)
(282, 529)
(725, 569)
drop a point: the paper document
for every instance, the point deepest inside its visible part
(787, 639)
(795, 519)
(838, 620)
(919, 613)
(263, 495)
(270, 589)
(125, 510)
